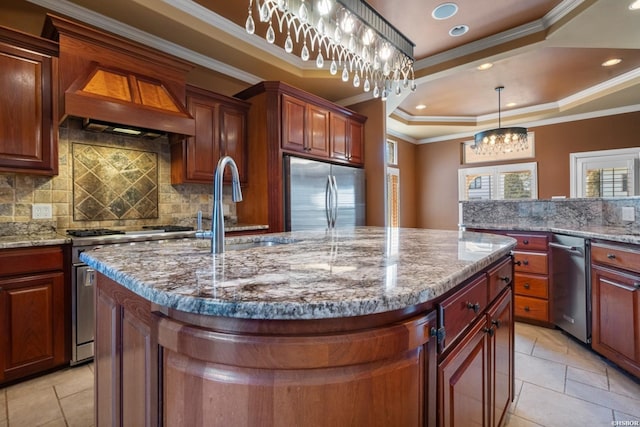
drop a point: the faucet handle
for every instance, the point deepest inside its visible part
(199, 223)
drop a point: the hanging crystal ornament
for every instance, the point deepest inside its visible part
(288, 44)
(324, 7)
(356, 80)
(337, 34)
(352, 43)
(367, 85)
(376, 91)
(250, 26)
(303, 14)
(304, 54)
(345, 74)
(386, 69)
(321, 26)
(271, 35)
(265, 14)
(319, 60)
(333, 69)
(282, 5)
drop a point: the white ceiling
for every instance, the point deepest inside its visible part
(547, 54)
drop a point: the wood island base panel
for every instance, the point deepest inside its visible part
(359, 346)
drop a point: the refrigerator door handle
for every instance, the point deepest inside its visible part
(328, 201)
(335, 200)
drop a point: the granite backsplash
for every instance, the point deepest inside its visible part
(558, 213)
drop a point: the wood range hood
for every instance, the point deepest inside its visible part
(113, 82)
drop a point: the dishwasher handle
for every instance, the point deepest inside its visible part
(565, 247)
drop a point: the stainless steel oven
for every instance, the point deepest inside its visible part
(83, 278)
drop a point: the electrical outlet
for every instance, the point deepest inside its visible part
(628, 213)
(42, 211)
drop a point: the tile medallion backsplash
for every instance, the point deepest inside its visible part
(114, 183)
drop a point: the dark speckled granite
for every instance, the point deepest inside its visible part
(349, 272)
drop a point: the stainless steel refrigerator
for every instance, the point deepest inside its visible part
(319, 194)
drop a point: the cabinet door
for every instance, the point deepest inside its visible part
(233, 139)
(293, 125)
(203, 149)
(616, 316)
(356, 142)
(32, 329)
(339, 129)
(28, 136)
(317, 131)
(501, 356)
(463, 389)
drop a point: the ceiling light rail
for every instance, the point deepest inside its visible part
(350, 35)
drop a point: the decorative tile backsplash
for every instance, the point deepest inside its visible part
(114, 183)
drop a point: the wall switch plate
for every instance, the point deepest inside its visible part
(628, 213)
(42, 211)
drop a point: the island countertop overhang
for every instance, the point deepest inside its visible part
(319, 275)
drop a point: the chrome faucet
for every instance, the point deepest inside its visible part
(217, 217)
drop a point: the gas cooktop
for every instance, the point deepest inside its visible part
(92, 232)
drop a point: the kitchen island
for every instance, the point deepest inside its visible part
(303, 328)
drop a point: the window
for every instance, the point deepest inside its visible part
(607, 173)
(392, 152)
(514, 181)
(393, 197)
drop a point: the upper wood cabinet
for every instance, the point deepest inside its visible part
(305, 127)
(28, 131)
(347, 139)
(221, 130)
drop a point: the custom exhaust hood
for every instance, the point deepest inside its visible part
(117, 85)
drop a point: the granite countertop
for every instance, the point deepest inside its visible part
(603, 232)
(28, 240)
(348, 272)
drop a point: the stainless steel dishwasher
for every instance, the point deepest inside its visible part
(571, 292)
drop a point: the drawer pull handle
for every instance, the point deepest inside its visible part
(506, 279)
(526, 308)
(611, 256)
(489, 331)
(475, 307)
(527, 286)
(635, 285)
(525, 262)
(525, 242)
(497, 323)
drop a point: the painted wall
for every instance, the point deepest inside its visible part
(438, 163)
(407, 165)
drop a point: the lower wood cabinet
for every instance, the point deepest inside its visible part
(34, 312)
(615, 290)
(475, 378)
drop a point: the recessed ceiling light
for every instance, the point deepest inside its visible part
(420, 107)
(635, 5)
(511, 104)
(444, 11)
(611, 62)
(484, 66)
(458, 30)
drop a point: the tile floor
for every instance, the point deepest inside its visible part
(558, 384)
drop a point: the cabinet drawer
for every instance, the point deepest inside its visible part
(31, 260)
(530, 242)
(461, 308)
(533, 286)
(531, 262)
(531, 308)
(499, 278)
(615, 256)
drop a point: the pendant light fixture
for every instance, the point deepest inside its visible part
(347, 37)
(501, 140)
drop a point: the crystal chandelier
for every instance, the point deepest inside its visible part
(349, 35)
(501, 140)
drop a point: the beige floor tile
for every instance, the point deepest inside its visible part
(551, 337)
(622, 383)
(593, 379)
(516, 393)
(54, 423)
(524, 343)
(73, 381)
(4, 423)
(78, 409)
(516, 421)
(621, 416)
(569, 355)
(542, 372)
(550, 408)
(3, 405)
(34, 409)
(604, 398)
